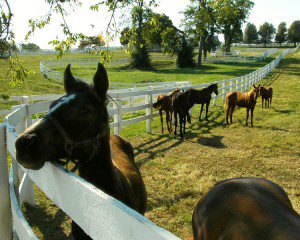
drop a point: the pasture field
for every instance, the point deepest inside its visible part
(177, 173)
(162, 71)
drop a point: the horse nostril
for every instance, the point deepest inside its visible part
(26, 141)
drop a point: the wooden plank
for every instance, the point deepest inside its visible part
(136, 120)
(135, 108)
(21, 226)
(98, 214)
(39, 107)
(5, 212)
(16, 116)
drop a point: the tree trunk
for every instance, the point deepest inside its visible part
(200, 51)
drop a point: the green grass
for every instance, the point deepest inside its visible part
(177, 173)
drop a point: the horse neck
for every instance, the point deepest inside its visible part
(100, 170)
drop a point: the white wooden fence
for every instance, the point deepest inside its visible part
(101, 216)
(235, 58)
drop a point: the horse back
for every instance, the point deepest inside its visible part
(131, 190)
(246, 209)
(181, 103)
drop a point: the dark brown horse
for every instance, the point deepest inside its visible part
(77, 128)
(165, 103)
(181, 107)
(245, 100)
(266, 96)
(245, 209)
(202, 97)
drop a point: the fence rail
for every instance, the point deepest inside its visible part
(233, 58)
(101, 216)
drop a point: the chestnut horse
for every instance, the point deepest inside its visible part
(202, 96)
(245, 209)
(165, 103)
(77, 128)
(266, 95)
(245, 100)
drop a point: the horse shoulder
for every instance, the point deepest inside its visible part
(132, 190)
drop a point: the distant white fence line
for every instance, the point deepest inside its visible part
(101, 216)
(235, 57)
(48, 69)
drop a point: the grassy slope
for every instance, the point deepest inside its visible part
(178, 173)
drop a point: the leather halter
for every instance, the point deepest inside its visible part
(70, 145)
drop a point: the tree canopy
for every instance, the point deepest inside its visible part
(294, 32)
(250, 34)
(91, 42)
(29, 47)
(281, 35)
(230, 14)
(266, 33)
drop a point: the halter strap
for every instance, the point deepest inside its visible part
(70, 145)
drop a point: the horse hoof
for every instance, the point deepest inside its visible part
(207, 119)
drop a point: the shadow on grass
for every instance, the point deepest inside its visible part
(49, 226)
(214, 141)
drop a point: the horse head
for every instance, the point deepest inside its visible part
(256, 91)
(72, 126)
(214, 88)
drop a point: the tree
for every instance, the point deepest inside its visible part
(199, 22)
(29, 47)
(91, 42)
(126, 34)
(6, 35)
(250, 34)
(294, 32)
(230, 14)
(266, 33)
(281, 35)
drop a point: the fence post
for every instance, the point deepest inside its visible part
(29, 192)
(118, 116)
(149, 110)
(5, 209)
(223, 91)
(131, 99)
(231, 87)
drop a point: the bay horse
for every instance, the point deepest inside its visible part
(181, 107)
(165, 103)
(266, 95)
(77, 128)
(245, 209)
(202, 96)
(245, 100)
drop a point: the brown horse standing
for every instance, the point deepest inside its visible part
(202, 97)
(77, 128)
(245, 100)
(181, 107)
(245, 209)
(164, 103)
(266, 95)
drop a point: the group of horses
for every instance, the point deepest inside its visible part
(76, 128)
(179, 103)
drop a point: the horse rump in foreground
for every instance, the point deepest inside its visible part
(245, 100)
(245, 209)
(181, 108)
(266, 96)
(165, 103)
(202, 97)
(77, 128)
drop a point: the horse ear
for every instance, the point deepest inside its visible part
(70, 83)
(101, 82)
(254, 86)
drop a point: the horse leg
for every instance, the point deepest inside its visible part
(247, 116)
(168, 121)
(266, 100)
(270, 101)
(171, 114)
(207, 106)
(180, 123)
(175, 116)
(227, 113)
(231, 113)
(184, 122)
(161, 121)
(262, 102)
(202, 105)
(252, 110)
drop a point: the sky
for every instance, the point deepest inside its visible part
(273, 11)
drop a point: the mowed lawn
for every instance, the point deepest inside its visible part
(177, 173)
